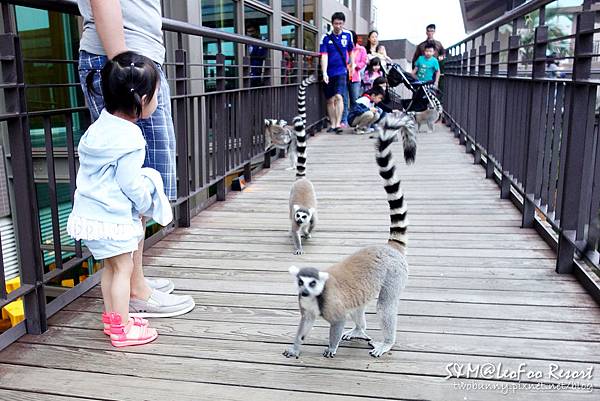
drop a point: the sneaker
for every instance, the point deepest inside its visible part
(161, 305)
(339, 130)
(161, 284)
(130, 334)
(344, 125)
(330, 129)
(359, 131)
(137, 321)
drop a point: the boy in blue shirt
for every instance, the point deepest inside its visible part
(427, 67)
(336, 54)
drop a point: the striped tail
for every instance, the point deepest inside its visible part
(299, 129)
(302, 96)
(405, 123)
(433, 100)
(387, 171)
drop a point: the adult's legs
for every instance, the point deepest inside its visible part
(346, 97)
(354, 93)
(338, 110)
(331, 111)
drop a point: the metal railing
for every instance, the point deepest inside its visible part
(218, 134)
(536, 133)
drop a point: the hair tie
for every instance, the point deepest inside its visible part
(131, 90)
(132, 64)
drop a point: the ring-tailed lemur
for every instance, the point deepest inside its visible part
(434, 110)
(279, 134)
(375, 271)
(302, 96)
(303, 199)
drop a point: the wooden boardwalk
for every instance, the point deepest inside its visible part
(481, 291)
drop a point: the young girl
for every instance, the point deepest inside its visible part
(372, 72)
(113, 190)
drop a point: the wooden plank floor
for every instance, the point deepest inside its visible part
(481, 291)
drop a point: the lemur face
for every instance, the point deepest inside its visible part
(301, 217)
(310, 281)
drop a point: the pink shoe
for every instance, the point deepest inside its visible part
(124, 336)
(138, 321)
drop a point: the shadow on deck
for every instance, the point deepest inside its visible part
(481, 291)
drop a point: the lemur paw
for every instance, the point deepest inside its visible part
(307, 236)
(290, 168)
(298, 252)
(356, 334)
(379, 349)
(328, 353)
(291, 353)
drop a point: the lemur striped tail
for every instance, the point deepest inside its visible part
(302, 96)
(433, 99)
(387, 171)
(300, 132)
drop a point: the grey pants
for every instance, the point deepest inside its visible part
(365, 119)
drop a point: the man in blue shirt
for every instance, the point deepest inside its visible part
(336, 54)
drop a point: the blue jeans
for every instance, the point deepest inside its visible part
(157, 129)
(355, 89)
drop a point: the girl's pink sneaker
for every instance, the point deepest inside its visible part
(124, 336)
(138, 321)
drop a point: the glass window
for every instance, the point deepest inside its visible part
(309, 11)
(288, 38)
(289, 6)
(288, 34)
(267, 2)
(47, 37)
(257, 26)
(310, 40)
(219, 14)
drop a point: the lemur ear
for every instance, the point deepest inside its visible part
(312, 210)
(323, 276)
(267, 123)
(296, 207)
(294, 270)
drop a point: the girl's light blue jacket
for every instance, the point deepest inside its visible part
(110, 184)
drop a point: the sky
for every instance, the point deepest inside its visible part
(407, 19)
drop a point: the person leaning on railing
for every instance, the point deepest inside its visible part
(111, 27)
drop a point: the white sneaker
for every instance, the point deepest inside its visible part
(161, 304)
(160, 284)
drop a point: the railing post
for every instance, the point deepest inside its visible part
(513, 55)
(579, 138)
(494, 71)
(513, 66)
(221, 135)
(27, 219)
(246, 66)
(536, 125)
(181, 129)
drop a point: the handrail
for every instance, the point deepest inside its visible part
(523, 9)
(171, 25)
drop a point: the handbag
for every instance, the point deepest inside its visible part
(348, 66)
